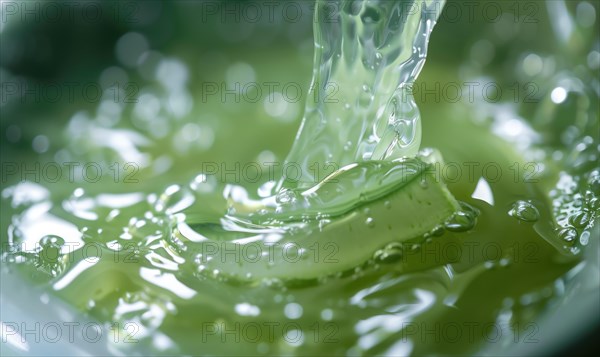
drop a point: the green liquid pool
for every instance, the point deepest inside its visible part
(398, 232)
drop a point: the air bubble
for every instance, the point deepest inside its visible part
(389, 254)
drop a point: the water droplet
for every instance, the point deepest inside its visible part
(293, 311)
(461, 221)
(594, 203)
(580, 219)
(594, 181)
(438, 231)
(45, 298)
(50, 259)
(174, 199)
(285, 197)
(524, 211)
(370, 222)
(568, 234)
(245, 309)
(370, 15)
(365, 98)
(78, 192)
(203, 183)
(52, 241)
(504, 262)
(469, 208)
(584, 239)
(348, 146)
(41, 144)
(327, 314)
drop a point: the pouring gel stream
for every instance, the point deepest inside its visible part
(360, 116)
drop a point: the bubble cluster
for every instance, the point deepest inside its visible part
(576, 208)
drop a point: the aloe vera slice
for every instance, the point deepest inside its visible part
(320, 247)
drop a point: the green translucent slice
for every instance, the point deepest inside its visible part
(347, 237)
